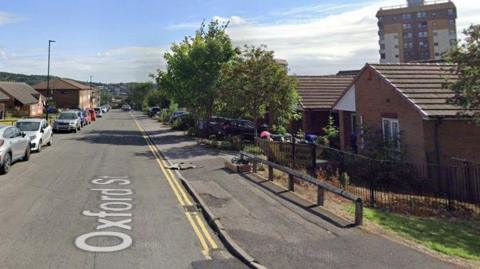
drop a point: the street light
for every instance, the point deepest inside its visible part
(49, 93)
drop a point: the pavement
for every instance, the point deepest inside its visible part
(273, 227)
(101, 199)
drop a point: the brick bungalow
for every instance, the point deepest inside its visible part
(318, 95)
(407, 102)
(67, 93)
(3, 105)
(23, 100)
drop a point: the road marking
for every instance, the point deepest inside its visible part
(115, 203)
(197, 223)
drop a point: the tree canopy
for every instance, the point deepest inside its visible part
(467, 87)
(193, 69)
(254, 84)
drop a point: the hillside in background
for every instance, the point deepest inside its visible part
(35, 79)
(29, 79)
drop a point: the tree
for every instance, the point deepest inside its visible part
(467, 87)
(193, 69)
(254, 83)
(155, 98)
(105, 97)
(137, 94)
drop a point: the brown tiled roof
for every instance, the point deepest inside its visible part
(422, 85)
(3, 97)
(321, 92)
(62, 84)
(20, 91)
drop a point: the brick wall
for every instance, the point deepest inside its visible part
(457, 139)
(313, 122)
(64, 98)
(376, 99)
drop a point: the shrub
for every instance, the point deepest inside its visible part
(184, 123)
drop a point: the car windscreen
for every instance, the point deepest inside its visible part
(28, 126)
(68, 116)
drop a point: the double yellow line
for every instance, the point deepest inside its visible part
(206, 240)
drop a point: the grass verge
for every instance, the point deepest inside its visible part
(458, 238)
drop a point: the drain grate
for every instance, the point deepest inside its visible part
(192, 208)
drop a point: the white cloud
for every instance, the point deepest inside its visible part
(116, 65)
(318, 39)
(233, 20)
(7, 18)
(323, 38)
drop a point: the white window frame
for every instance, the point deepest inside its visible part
(391, 131)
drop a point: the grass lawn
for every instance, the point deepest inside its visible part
(451, 237)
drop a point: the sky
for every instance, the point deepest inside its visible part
(125, 40)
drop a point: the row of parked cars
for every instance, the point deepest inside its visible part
(73, 120)
(27, 135)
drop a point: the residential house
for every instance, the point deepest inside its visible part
(66, 93)
(23, 100)
(318, 95)
(408, 103)
(3, 105)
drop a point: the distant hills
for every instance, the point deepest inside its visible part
(35, 79)
(29, 79)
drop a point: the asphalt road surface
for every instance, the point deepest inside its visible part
(100, 199)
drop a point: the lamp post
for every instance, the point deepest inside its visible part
(49, 93)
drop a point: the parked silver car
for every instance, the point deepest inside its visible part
(68, 121)
(39, 132)
(14, 146)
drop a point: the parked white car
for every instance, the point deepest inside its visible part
(39, 132)
(14, 146)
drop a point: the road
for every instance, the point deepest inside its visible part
(100, 199)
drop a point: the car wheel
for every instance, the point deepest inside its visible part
(39, 149)
(7, 162)
(28, 152)
(50, 142)
(75, 130)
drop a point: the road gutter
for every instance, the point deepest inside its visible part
(213, 221)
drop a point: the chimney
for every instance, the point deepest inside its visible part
(414, 3)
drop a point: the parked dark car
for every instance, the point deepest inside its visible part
(243, 128)
(177, 114)
(152, 111)
(218, 126)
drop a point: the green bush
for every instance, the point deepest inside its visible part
(184, 123)
(252, 149)
(164, 115)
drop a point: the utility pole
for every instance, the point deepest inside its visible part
(92, 97)
(49, 92)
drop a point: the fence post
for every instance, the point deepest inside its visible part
(372, 184)
(255, 166)
(270, 173)
(293, 152)
(358, 212)
(320, 196)
(314, 161)
(449, 186)
(291, 183)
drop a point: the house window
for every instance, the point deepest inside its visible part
(407, 35)
(406, 16)
(422, 25)
(421, 14)
(353, 121)
(422, 34)
(391, 131)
